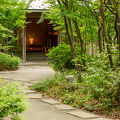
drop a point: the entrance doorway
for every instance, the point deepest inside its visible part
(40, 37)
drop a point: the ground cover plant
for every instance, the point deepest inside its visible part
(98, 92)
(12, 100)
(8, 63)
(91, 29)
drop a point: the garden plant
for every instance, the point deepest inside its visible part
(89, 50)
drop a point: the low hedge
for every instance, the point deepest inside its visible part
(8, 63)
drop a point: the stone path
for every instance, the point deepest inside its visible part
(28, 73)
(44, 108)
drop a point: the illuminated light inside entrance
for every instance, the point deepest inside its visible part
(31, 41)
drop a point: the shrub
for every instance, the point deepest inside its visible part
(103, 86)
(48, 82)
(99, 91)
(8, 63)
(12, 100)
(61, 57)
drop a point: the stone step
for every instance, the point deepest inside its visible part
(83, 114)
(36, 58)
(50, 101)
(33, 64)
(63, 107)
(34, 96)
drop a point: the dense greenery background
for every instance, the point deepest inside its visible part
(12, 19)
(89, 49)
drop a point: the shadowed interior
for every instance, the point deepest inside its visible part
(39, 35)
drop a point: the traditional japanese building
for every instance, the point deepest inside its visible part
(38, 37)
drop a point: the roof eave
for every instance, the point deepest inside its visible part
(37, 10)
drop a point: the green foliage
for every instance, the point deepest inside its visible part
(98, 92)
(12, 100)
(103, 86)
(100, 85)
(40, 86)
(89, 32)
(16, 118)
(12, 18)
(8, 63)
(61, 57)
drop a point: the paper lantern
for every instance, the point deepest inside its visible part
(31, 41)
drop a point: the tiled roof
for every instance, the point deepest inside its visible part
(38, 4)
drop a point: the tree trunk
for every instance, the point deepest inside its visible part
(117, 27)
(77, 64)
(71, 38)
(81, 41)
(100, 39)
(105, 33)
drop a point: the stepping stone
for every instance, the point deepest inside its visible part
(83, 114)
(7, 118)
(24, 87)
(29, 91)
(35, 96)
(64, 107)
(101, 119)
(28, 84)
(50, 101)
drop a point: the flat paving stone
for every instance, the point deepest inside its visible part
(39, 110)
(27, 84)
(101, 119)
(50, 101)
(29, 91)
(63, 107)
(82, 114)
(34, 96)
(29, 73)
(7, 118)
(24, 87)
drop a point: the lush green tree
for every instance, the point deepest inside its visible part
(93, 26)
(92, 30)
(12, 17)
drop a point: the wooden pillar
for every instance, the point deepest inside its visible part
(24, 45)
(59, 37)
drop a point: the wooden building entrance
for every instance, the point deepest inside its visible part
(38, 37)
